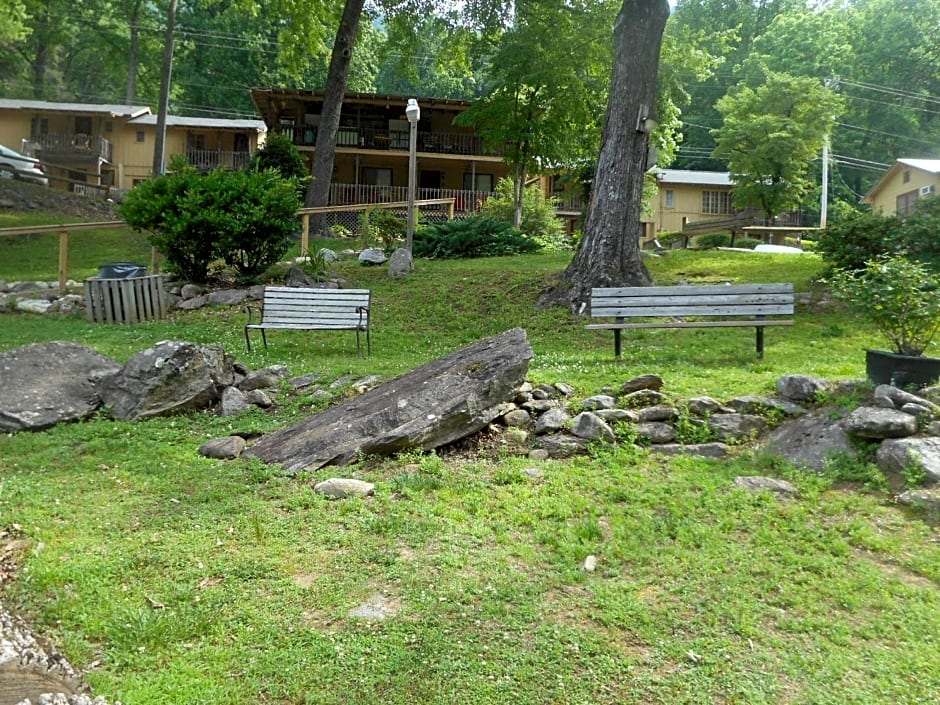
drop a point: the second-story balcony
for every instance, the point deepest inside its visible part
(73, 147)
(456, 143)
(207, 159)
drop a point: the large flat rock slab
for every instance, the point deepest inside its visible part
(443, 401)
(47, 383)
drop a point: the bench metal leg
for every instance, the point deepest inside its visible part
(760, 342)
(247, 339)
(617, 343)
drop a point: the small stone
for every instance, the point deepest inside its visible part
(590, 564)
(225, 448)
(343, 488)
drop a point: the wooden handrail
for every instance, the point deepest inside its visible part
(64, 231)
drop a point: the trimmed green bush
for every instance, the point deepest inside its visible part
(473, 237)
(280, 154)
(244, 218)
(748, 243)
(713, 240)
(859, 238)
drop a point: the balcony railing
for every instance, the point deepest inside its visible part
(73, 146)
(397, 140)
(464, 201)
(207, 159)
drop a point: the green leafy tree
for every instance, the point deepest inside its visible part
(545, 97)
(769, 135)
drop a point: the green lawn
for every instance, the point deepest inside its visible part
(175, 578)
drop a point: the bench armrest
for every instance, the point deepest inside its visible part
(250, 309)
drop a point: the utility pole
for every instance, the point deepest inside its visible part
(832, 84)
(159, 145)
(824, 197)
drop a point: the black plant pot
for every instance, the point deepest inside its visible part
(901, 370)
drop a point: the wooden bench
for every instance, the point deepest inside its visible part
(296, 308)
(719, 305)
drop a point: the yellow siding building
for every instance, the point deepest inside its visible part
(903, 185)
(87, 146)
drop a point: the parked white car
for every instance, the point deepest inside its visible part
(22, 167)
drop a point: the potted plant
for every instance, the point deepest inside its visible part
(901, 297)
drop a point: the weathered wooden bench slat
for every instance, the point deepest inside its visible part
(296, 308)
(698, 309)
(693, 290)
(722, 306)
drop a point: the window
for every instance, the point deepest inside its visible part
(140, 135)
(478, 182)
(907, 177)
(716, 203)
(374, 176)
(906, 203)
(82, 125)
(670, 201)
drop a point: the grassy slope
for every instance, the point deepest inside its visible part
(187, 580)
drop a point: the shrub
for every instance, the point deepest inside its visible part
(713, 240)
(898, 296)
(857, 239)
(254, 217)
(280, 154)
(473, 237)
(244, 218)
(668, 238)
(539, 220)
(386, 226)
(748, 243)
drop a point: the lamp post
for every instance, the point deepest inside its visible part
(413, 112)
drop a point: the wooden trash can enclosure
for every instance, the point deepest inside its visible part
(131, 298)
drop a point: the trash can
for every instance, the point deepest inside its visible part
(123, 292)
(121, 270)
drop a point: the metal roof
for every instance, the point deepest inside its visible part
(97, 108)
(931, 165)
(198, 122)
(696, 178)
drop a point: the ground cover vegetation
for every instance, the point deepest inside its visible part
(174, 577)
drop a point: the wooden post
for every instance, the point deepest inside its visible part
(305, 235)
(154, 261)
(450, 209)
(63, 261)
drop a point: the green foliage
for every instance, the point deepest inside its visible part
(244, 218)
(690, 429)
(851, 242)
(668, 238)
(713, 240)
(280, 154)
(538, 214)
(386, 226)
(768, 136)
(844, 468)
(900, 297)
(748, 242)
(477, 236)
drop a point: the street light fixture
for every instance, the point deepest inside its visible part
(413, 113)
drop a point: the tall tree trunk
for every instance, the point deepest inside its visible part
(318, 192)
(609, 254)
